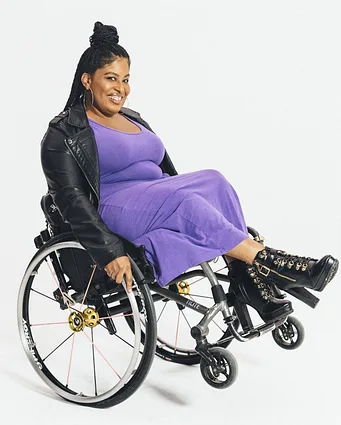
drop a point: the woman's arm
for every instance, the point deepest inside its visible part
(70, 193)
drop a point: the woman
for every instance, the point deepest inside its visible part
(109, 175)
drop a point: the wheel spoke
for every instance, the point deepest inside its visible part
(58, 346)
(49, 323)
(87, 288)
(103, 357)
(163, 309)
(126, 342)
(204, 277)
(70, 361)
(93, 360)
(177, 332)
(186, 319)
(117, 315)
(198, 280)
(58, 284)
(218, 326)
(43, 295)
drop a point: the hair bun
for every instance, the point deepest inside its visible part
(103, 35)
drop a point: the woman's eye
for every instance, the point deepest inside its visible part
(113, 78)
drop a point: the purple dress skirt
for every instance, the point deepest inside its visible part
(182, 220)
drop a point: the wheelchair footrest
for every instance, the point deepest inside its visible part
(304, 295)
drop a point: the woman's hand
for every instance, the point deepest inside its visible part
(118, 268)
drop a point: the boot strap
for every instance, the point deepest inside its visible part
(264, 270)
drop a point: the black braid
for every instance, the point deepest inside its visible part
(104, 49)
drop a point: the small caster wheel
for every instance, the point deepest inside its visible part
(225, 371)
(290, 335)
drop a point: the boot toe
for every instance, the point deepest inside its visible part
(324, 271)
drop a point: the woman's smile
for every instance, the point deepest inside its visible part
(117, 100)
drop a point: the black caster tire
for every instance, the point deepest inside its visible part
(227, 367)
(290, 335)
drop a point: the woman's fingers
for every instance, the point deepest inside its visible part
(129, 280)
(117, 272)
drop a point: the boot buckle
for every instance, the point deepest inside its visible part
(264, 270)
(259, 238)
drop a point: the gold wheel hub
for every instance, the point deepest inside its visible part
(78, 320)
(184, 287)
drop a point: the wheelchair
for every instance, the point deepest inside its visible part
(93, 343)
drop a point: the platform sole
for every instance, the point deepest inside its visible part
(333, 268)
(276, 316)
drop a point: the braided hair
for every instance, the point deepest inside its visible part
(104, 49)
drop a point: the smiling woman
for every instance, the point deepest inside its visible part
(109, 86)
(120, 181)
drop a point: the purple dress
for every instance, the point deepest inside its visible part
(182, 220)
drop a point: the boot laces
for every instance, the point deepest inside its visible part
(283, 259)
(265, 289)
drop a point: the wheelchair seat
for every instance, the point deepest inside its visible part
(57, 226)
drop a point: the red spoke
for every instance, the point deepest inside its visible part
(204, 277)
(50, 323)
(177, 332)
(99, 352)
(87, 288)
(54, 277)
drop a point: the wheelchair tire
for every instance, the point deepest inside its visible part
(223, 360)
(289, 335)
(64, 376)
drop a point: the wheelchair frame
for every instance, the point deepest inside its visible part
(214, 360)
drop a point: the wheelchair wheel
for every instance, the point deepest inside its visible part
(225, 369)
(289, 335)
(79, 342)
(174, 341)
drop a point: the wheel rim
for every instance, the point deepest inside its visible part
(46, 343)
(224, 371)
(220, 373)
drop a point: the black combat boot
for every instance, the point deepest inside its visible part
(249, 289)
(290, 271)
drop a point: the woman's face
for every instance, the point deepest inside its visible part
(110, 87)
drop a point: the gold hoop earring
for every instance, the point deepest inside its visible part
(85, 96)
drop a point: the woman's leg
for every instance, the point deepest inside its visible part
(245, 251)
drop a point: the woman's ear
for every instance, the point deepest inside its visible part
(86, 80)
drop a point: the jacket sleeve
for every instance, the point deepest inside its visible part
(70, 193)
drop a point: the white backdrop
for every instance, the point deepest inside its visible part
(250, 88)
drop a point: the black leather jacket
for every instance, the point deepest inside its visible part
(69, 160)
